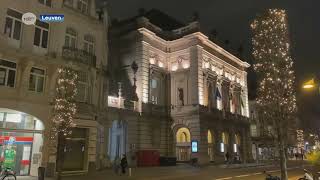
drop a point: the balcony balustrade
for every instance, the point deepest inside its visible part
(78, 55)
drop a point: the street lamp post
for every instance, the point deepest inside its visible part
(134, 68)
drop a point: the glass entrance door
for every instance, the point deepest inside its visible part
(183, 153)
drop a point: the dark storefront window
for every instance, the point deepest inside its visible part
(75, 150)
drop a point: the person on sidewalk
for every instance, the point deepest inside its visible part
(227, 157)
(124, 164)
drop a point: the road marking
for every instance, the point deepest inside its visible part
(245, 175)
(273, 171)
(224, 178)
(257, 173)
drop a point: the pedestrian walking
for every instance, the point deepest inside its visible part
(227, 157)
(124, 164)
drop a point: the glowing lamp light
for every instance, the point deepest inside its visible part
(160, 64)
(207, 65)
(185, 64)
(309, 84)
(152, 60)
(174, 67)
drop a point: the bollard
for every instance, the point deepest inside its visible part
(129, 172)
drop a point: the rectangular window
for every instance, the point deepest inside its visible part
(153, 83)
(88, 47)
(83, 6)
(82, 87)
(155, 91)
(253, 130)
(41, 34)
(7, 73)
(13, 24)
(37, 79)
(45, 2)
(68, 2)
(270, 130)
(70, 41)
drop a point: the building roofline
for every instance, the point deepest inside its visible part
(204, 39)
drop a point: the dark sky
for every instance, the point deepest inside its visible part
(231, 18)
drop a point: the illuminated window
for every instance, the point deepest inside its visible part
(225, 138)
(183, 135)
(16, 118)
(210, 138)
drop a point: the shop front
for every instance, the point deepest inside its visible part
(21, 140)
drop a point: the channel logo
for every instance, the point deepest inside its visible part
(52, 17)
(29, 18)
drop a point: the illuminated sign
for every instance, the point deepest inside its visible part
(52, 17)
(221, 147)
(194, 146)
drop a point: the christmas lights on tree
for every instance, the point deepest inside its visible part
(64, 108)
(274, 67)
(273, 62)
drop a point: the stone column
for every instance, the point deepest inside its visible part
(196, 75)
(219, 157)
(225, 95)
(198, 132)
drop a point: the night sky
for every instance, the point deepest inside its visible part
(232, 18)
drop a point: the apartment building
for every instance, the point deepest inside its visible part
(30, 56)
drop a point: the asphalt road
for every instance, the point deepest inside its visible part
(186, 172)
(214, 173)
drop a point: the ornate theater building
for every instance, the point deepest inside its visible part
(175, 93)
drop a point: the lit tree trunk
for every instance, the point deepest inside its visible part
(60, 155)
(282, 153)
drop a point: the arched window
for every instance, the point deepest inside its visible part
(183, 135)
(237, 139)
(210, 138)
(225, 138)
(70, 38)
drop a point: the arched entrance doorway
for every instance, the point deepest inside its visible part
(21, 140)
(183, 139)
(210, 146)
(117, 139)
